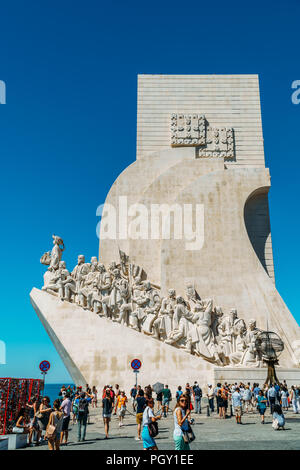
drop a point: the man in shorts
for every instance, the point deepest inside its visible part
(140, 406)
(166, 393)
(237, 405)
(66, 409)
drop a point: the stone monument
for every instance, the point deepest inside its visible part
(185, 279)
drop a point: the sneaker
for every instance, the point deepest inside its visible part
(138, 439)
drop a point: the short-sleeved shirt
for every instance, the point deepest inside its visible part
(141, 402)
(66, 407)
(121, 401)
(166, 393)
(236, 399)
(107, 406)
(133, 392)
(147, 415)
(260, 403)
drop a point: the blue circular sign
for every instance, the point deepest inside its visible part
(44, 366)
(136, 364)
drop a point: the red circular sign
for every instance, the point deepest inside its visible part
(136, 364)
(44, 366)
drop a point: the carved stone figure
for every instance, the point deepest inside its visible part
(86, 291)
(57, 283)
(201, 338)
(121, 295)
(163, 324)
(77, 277)
(227, 333)
(251, 357)
(181, 324)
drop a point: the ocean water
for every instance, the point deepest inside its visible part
(52, 390)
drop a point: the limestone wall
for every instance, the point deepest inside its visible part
(226, 101)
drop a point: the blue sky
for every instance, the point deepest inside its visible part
(68, 128)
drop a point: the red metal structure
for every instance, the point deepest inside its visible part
(14, 394)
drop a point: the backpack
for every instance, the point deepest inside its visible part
(82, 406)
(198, 392)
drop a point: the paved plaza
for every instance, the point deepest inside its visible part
(211, 433)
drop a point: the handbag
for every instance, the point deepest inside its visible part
(17, 430)
(152, 427)
(190, 434)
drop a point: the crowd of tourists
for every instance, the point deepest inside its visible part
(43, 421)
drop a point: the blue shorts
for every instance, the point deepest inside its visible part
(166, 402)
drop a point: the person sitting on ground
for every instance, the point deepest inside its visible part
(278, 418)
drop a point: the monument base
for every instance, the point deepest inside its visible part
(258, 375)
(97, 351)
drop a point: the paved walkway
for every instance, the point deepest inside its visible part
(211, 433)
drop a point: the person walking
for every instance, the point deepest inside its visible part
(148, 417)
(65, 407)
(33, 406)
(284, 398)
(83, 412)
(294, 399)
(121, 403)
(141, 404)
(211, 397)
(55, 421)
(159, 399)
(261, 405)
(166, 393)
(95, 397)
(133, 394)
(221, 405)
(107, 406)
(247, 399)
(197, 392)
(179, 392)
(216, 392)
(237, 405)
(272, 397)
(117, 393)
(181, 424)
(225, 397)
(43, 417)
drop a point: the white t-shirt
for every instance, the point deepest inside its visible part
(147, 415)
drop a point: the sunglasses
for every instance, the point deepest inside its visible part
(183, 399)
